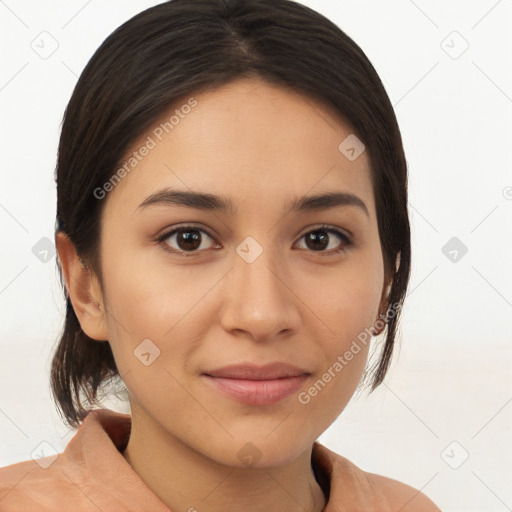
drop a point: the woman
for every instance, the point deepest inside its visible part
(232, 230)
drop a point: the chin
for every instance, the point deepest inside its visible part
(264, 452)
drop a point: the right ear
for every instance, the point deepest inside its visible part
(83, 289)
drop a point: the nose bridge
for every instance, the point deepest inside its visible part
(258, 301)
(256, 269)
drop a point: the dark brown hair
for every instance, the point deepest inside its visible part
(180, 48)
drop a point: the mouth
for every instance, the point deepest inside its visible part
(257, 385)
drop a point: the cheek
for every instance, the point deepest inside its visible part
(145, 303)
(348, 307)
(349, 301)
(344, 356)
(152, 331)
(142, 290)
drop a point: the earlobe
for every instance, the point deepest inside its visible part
(384, 305)
(379, 325)
(83, 289)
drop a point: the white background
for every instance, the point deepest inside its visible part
(452, 379)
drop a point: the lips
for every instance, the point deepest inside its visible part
(253, 372)
(257, 385)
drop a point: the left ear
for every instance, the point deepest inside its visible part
(380, 323)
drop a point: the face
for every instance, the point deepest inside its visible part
(226, 324)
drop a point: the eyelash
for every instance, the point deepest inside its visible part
(346, 240)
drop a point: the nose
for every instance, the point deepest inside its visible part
(260, 302)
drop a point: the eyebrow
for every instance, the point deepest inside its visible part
(222, 204)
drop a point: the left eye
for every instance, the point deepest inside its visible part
(319, 240)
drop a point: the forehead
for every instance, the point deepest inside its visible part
(250, 140)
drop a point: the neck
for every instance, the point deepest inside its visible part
(186, 480)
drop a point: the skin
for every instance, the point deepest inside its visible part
(260, 145)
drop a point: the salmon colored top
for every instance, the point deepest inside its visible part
(92, 475)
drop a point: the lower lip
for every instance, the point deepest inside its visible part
(257, 392)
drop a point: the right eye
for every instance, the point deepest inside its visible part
(186, 239)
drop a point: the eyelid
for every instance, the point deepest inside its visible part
(329, 228)
(181, 227)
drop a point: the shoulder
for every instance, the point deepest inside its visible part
(350, 485)
(401, 497)
(31, 485)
